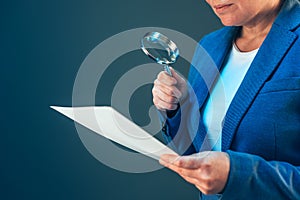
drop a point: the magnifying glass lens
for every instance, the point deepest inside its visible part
(160, 48)
(159, 51)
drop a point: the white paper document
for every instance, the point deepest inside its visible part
(106, 121)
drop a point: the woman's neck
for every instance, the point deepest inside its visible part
(254, 33)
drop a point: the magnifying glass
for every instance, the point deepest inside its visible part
(160, 48)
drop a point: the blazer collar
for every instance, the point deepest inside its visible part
(271, 52)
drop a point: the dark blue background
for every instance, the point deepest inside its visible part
(43, 44)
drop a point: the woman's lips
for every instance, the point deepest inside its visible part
(222, 8)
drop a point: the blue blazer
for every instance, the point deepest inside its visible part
(261, 131)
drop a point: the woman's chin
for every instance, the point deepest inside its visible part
(227, 22)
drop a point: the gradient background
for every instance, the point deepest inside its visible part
(43, 44)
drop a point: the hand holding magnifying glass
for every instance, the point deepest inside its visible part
(160, 48)
(169, 89)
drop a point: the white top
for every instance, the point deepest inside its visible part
(223, 92)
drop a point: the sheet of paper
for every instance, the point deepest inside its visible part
(109, 123)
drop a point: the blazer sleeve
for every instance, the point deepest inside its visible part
(251, 177)
(178, 127)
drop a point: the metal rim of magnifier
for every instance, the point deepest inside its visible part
(163, 40)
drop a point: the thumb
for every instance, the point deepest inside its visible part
(175, 75)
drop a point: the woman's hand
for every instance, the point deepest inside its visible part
(208, 171)
(168, 90)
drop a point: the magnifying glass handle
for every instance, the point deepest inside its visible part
(167, 69)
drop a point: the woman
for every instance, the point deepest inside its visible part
(255, 139)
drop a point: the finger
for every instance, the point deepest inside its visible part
(189, 162)
(159, 92)
(199, 187)
(164, 105)
(176, 169)
(164, 101)
(188, 175)
(166, 79)
(191, 173)
(160, 108)
(170, 90)
(177, 76)
(168, 158)
(158, 85)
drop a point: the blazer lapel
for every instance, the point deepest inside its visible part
(208, 61)
(206, 66)
(266, 61)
